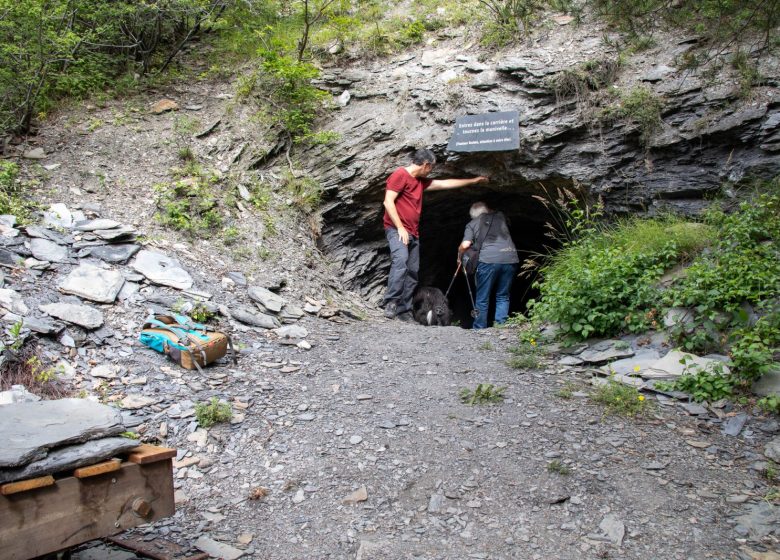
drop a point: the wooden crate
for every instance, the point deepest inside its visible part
(45, 515)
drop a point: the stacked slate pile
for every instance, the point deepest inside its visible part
(47, 437)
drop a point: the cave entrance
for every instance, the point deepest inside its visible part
(445, 215)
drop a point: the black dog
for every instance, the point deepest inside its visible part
(431, 307)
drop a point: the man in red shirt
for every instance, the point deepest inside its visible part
(403, 205)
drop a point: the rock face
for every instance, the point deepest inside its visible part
(708, 134)
(28, 430)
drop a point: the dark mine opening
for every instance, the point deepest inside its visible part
(444, 218)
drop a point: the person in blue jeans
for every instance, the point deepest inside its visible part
(497, 262)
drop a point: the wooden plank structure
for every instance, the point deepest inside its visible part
(47, 514)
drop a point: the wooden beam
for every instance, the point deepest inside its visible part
(76, 510)
(24, 485)
(98, 468)
(146, 453)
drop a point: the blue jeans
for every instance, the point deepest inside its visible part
(404, 269)
(490, 276)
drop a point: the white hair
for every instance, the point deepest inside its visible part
(477, 209)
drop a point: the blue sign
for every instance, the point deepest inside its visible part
(490, 132)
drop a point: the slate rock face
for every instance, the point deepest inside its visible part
(254, 319)
(29, 430)
(93, 283)
(70, 457)
(161, 269)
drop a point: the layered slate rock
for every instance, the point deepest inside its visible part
(98, 223)
(29, 430)
(93, 283)
(255, 319)
(70, 457)
(266, 298)
(82, 315)
(162, 269)
(46, 250)
(119, 253)
(12, 301)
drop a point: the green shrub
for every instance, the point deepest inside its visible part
(483, 393)
(606, 281)
(190, 203)
(304, 192)
(12, 199)
(743, 266)
(620, 399)
(707, 386)
(213, 412)
(769, 404)
(641, 107)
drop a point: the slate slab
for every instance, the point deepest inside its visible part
(269, 300)
(82, 315)
(46, 233)
(119, 253)
(292, 331)
(162, 269)
(115, 234)
(70, 457)
(217, 549)
(99, 223)
(254, 319)
(28, 430)
(45, 250)
(13, 302)
(733, 426)
(633, 365)
(93, 283)
(671, 366)
(605, 351)
(9, 259)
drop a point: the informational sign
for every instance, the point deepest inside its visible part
(491, 132)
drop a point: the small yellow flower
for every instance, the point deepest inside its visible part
(533, 342)
(637, 368)
(641, 397)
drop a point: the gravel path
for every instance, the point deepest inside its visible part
(374, 405)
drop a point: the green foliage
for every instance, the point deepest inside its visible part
(567, 391)
(620, 399)
(557, 467)
(747, 72)
(487, 346)
(509, 20)
(73, 48)
(525, 356)
(754, 347)
(715, 20)
(606, 281)
(769, 404)
(200, 313)
(212, 412)
(590, 76)
(641, 107)
(189, 204)
(12, 197)
(305, 193)
(743, 266)
(707, 386)
(483, 393)
(130, 435)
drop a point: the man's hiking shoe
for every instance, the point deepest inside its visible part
(406, 317)
(391, 310)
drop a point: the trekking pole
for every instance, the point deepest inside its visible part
(453, 280)
(474, 310)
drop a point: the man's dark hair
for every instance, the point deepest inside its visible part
(422, 156)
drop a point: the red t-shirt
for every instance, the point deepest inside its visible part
(408, 203)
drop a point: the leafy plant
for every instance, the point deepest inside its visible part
(304, 192)
(509, 19)
(487, 345)
(706, 386)
(212, 412)
(566, 392)
(639, 106)
(190, 203)
(130, 435)
(620, 399)
(557, 467)
(483, 393)
(770, 403)
(12, 198)
(200, 313)
(524, 356)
